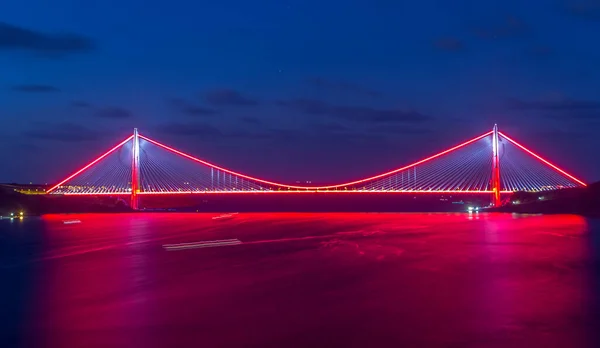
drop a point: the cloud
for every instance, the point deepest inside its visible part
(588, 114)
(328, 127)
(113, 113)
(208, 131)
(251, 120)
(399, 129)
(585, 9)
(282, 133)
(187, 108)
(29, 147)
(449, 44)
(81, 104)
(64, 132)
(309, 141)
(354, 113)
(244, 134)
(343, 86)
(509, 26)
(563, 135)
(554, 105)
(307, 106)
(17, 38)
(228, 97)
(35, 88)
(189, 129)
(205, 131)
(560, 109)
(367, 114)
(319, 132)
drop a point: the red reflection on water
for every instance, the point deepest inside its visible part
(90, 287)
(314, 279)
(533, 280)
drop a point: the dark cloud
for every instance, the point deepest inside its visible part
(29, 147)
(228, 97)
(581, 114)
(281, 133)
(65, 132)
(509, 26)
(16, 38)
(113, 113)
(35, 88)
(198, 111)
(563, 135)
(328, 127)
(586, 9)
(244, 134)
(449, 44)
(367, 114)
(81, 104)
(189, 129)
(354, 113)
(554, 105)
(188, 108)
(307, 106)
(208, 131)
(315, 134)
(343, 86)
(251, 120)
(309, 144)
(565, 110)
(400, 129)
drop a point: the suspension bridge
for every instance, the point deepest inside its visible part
(492, 163)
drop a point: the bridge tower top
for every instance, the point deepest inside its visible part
(496, 199)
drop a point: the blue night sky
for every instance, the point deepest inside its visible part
(292, 90)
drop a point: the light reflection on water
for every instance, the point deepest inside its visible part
(489, 280)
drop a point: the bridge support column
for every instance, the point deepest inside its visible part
(496, 199)
(135, 170)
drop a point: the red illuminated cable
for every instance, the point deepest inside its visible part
(147, 193)
(95, 193)
(316, 187)
(90, 164)
(150, 193)
(543, 160)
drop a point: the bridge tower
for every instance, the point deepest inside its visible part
(135, 170)
(496, 200)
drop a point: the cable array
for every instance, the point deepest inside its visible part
(521, 171)
(163, 171)
(110, 175)
(467, 169)
(464, 168)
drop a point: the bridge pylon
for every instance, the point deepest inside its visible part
(135, 170)
(496, 199)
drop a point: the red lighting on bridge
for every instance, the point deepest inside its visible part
(154, 168)
(543, 160)
(90, 164)
(351, 183)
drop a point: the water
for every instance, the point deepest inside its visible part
(299, 280)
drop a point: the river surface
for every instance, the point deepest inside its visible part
(300, 280)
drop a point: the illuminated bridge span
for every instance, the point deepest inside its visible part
(491, 163)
